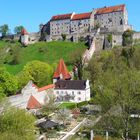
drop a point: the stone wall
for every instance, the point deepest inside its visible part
(117, 39)
(136, 36)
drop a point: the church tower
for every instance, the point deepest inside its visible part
(61, 72)
(24, 37)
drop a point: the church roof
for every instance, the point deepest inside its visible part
(33, 103)
(81, 16)
(71, 84)
(111, 9)
(62, 71)
(61, 17)
(24, 32)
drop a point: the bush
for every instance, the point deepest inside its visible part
(128, 38)
(63, 37)
(82, 104)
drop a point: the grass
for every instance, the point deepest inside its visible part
(68, 105)
(50, 52)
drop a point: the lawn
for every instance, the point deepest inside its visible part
(68, 105)
(49, 52)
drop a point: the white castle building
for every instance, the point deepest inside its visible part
(111, 19)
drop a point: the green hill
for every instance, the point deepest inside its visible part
(49, 52)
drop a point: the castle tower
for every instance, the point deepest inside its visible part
(24, 37)
(61, 72)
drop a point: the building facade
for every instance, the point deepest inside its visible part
(72, 91)
(112, 19)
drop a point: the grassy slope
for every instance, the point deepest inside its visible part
(52, 52)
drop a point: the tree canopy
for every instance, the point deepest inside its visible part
(8, 83)
(115, 82)
(18, 29)
(4, 29)
(39, 72)
(16, 124)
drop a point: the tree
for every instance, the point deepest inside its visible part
(63, 115)
(4, 29)
(16, 124)
(117, 89)
(8, 83)
(63, 37)
(49, 104)
(18, 29)
(23, 78)
(128, 38)
(40, 72)
(76, 58)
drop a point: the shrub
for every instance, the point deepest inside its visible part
(128, 38)
(63, 37)
(82, 104)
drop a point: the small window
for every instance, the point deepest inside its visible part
(72, 92)
(79, 99)
(79, 92)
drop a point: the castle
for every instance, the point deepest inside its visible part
(108, 19)
(94, 25)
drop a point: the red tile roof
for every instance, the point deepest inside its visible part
(81, 16)
(33, 85)
(110, 9)
(62, 69)
(61, 17)
(33, 103)
(24, 32)
(46, 87)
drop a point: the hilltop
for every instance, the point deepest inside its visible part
(14, 56)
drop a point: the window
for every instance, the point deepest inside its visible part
(79, 99)
(121, 22)
(79, 92)
(72, 92)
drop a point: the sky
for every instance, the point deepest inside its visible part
(31, 13)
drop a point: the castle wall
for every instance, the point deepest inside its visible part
(78, 26)
(59, 27)
(117, 40)
(136, 36)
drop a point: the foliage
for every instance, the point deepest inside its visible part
(109, 38)
(4, 29)
(81, 39)
(40, 72)
(82, 104)
(18, 29)
(97, 25)
(16, 124)
(116, 87)
(8, 83)
(68, 105)
(49, 104)
(63, 36)
(128, 38)
(76, 58)
(23, 78)
(63, 115)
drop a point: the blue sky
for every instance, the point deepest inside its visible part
(30, 13)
